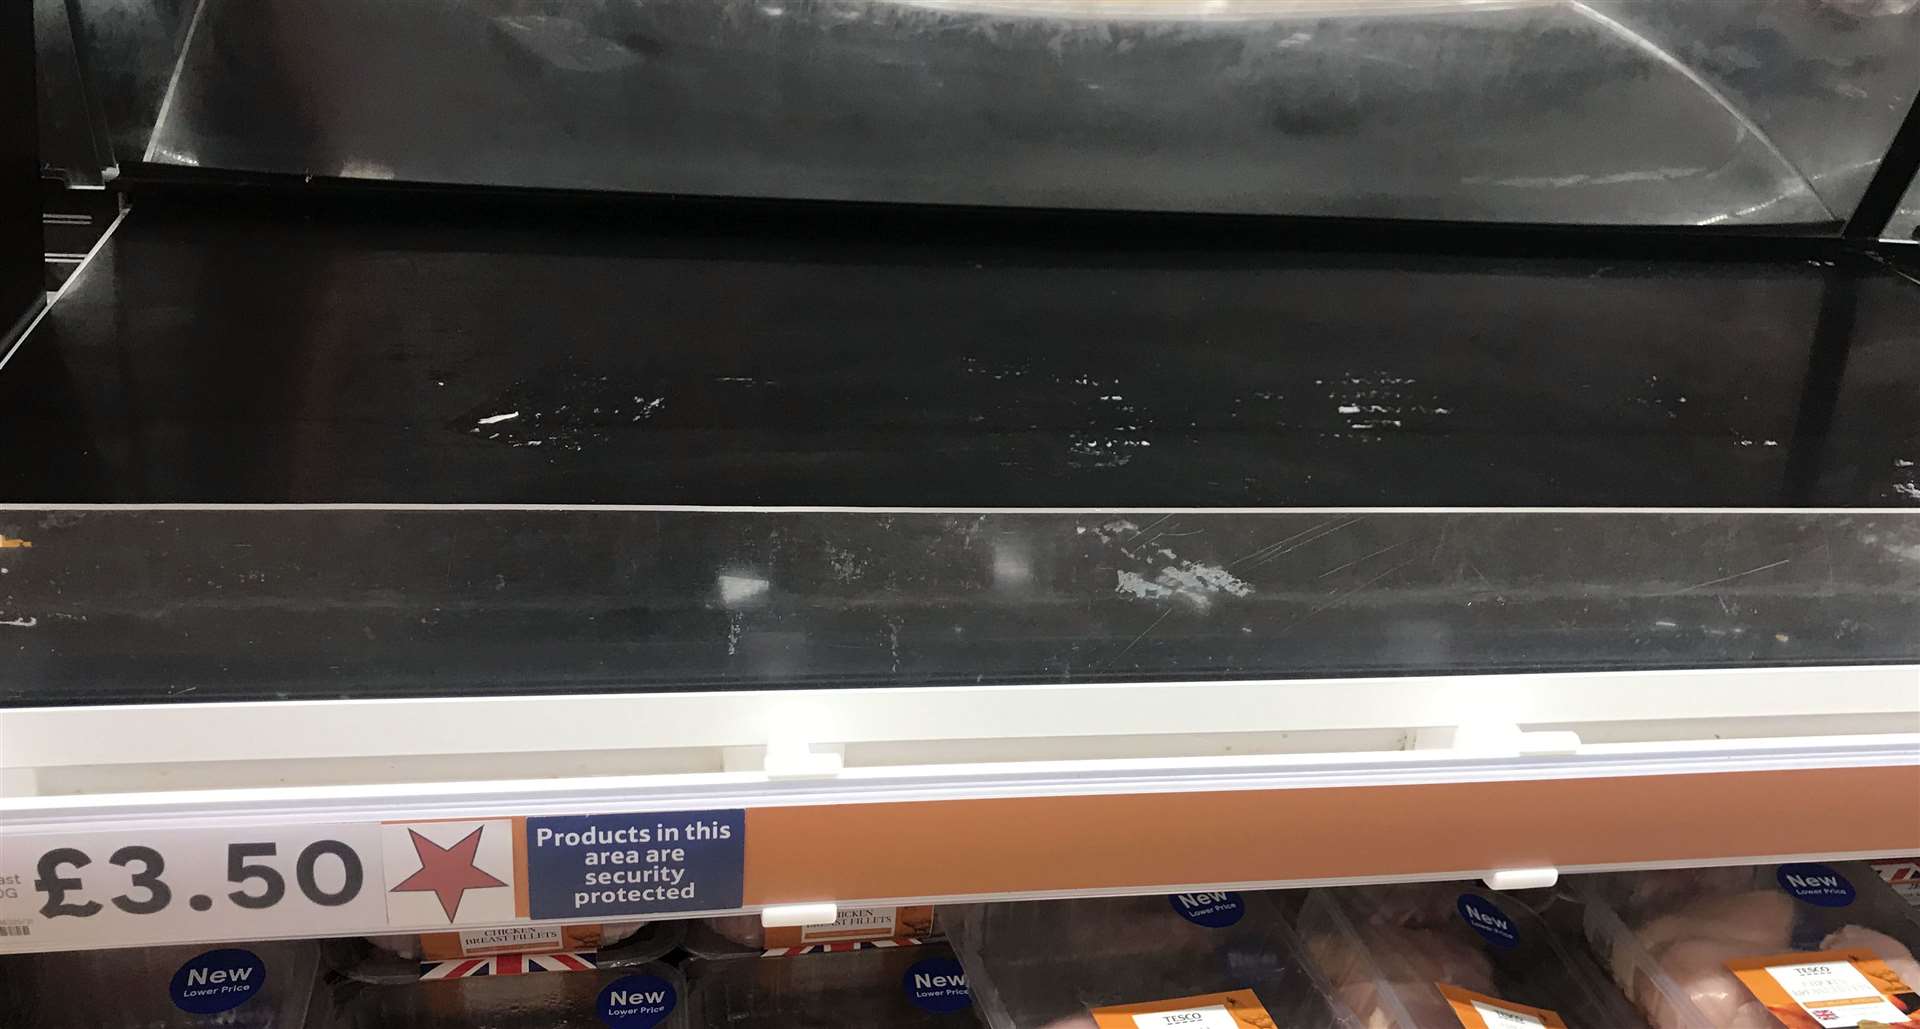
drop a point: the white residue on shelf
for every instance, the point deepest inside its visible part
(1901, 462)
(495, 418)
(1190, 580)
(1139, 586)
(1102, 450)
(1907, 489)
(733, 634)
(999, 372)
(1383, 401)
(847, 566)
(27, 622)
(1198, 580)
(739, 589)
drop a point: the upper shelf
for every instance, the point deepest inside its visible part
(1623, 112)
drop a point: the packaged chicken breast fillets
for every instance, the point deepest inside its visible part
(1192, 960)
(242, 985)
(646, 996)
(1805, 945)
(899, 987)
(1453, 956)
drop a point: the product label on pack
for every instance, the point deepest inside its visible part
(513, 939)
(855, 925)
(1837, 989)
(1235, 1009)
(1479, 1011)
(615, 866)
(1212, 910)
(1903, 876)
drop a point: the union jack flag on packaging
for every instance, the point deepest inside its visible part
(509, 964)
(1904, 876)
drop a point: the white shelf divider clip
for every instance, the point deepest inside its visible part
(1495, 738)
(788, 758)
(782, 916)
(1522, 879)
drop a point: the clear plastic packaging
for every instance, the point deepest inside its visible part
(382, 959)
(646, 996)
(911, 987)
(1050, 963)
(1666, 937)
(1386, 950)
(243, 985)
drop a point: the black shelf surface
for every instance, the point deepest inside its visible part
(260, 359)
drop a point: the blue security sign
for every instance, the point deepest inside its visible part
(638, 864)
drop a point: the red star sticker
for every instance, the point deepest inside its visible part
(447, 872)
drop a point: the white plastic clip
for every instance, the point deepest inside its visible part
(787, 759)
(781, 916)
(1496, 738)
(1522, 878)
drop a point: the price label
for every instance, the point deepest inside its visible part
(1479, 1011)
(169, 886)
(1234, 1009)
(1213, 1016)
(1837, 989)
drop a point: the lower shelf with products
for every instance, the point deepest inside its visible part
(1808, 945)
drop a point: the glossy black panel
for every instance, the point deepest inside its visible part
(343, 360)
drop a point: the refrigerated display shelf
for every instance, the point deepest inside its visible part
(335, 526)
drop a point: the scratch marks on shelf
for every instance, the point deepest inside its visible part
(1282, 547)
(1736, 575)
(1368, 557)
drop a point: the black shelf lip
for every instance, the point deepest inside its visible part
(113, 606)
(180, 192)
